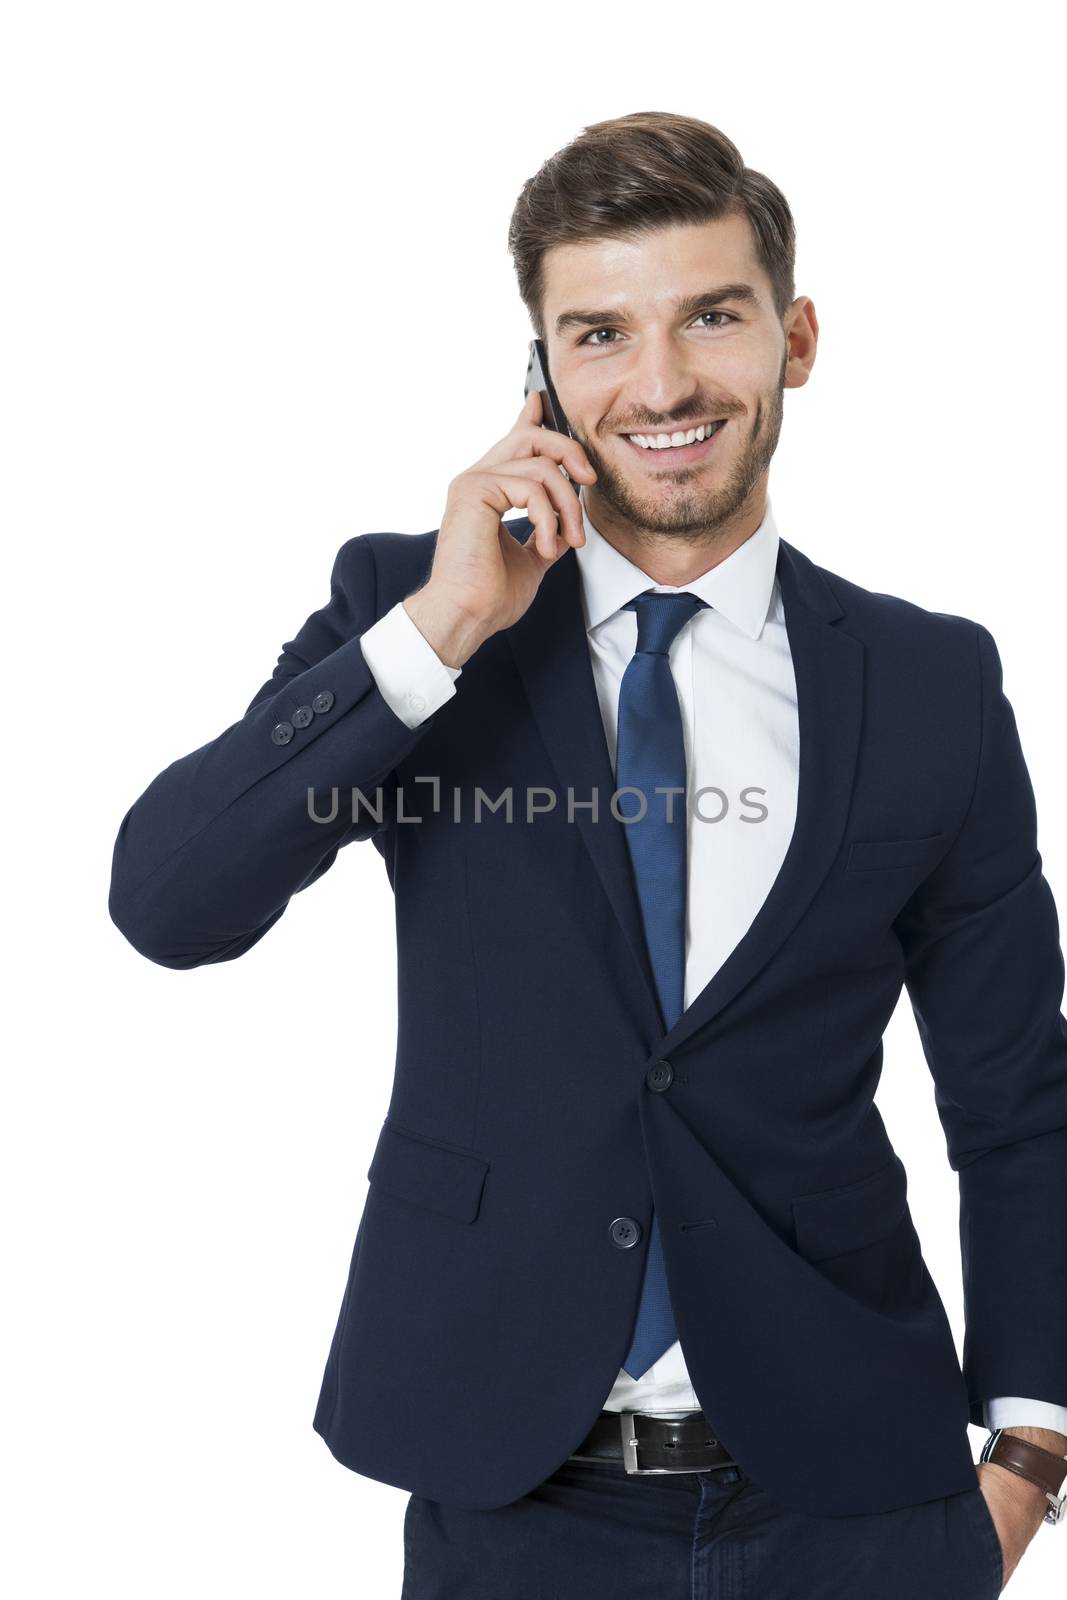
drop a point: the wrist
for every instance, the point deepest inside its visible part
(1016, 1489)
(453, 633)
(1023, 1454)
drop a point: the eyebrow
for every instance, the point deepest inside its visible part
(685, 305)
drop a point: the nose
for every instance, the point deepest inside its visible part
(663, 385)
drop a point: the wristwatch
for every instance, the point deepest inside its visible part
(1042, 1467)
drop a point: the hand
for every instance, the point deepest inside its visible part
(482, 579)
(1017, 1508)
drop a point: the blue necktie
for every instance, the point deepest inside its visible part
(650, 754)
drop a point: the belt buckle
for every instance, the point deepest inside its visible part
(629, 1449)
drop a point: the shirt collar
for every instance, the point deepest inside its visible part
(741, 587)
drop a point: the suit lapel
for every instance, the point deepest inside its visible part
(552, 655)
(828, 665)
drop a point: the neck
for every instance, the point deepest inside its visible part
(674, 559)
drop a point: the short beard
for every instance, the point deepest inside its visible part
(687, 505)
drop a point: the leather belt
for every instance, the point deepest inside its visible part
(645, 1443)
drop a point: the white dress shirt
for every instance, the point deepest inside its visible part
(733, 670)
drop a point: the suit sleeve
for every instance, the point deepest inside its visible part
(984, 972)
(208, 857)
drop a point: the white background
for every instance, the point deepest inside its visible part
(243, 243)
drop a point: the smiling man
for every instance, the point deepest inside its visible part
(662, 384)
(636, 1304)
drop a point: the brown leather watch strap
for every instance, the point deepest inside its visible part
(1042, 1467)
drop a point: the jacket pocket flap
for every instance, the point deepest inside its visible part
(867, 853)
(415, 1168)
(853, 1215)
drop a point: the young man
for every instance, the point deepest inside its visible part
(671, 814)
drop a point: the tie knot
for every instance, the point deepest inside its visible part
(660, 617)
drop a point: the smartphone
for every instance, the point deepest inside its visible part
(537, 377)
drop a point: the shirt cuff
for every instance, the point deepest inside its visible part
(1011, 1411)
(413, 679)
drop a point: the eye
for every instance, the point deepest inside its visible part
(727, 314)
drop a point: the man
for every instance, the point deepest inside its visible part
(636, 1303)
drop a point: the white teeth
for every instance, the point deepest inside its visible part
(670, 441)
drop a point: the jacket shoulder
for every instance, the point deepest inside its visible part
(393, 564)
(397, 563)
(879, 614)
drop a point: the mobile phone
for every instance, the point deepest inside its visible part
(537, 377)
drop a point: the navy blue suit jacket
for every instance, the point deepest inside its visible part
(487, 1310)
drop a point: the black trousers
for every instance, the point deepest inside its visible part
(591, 1532)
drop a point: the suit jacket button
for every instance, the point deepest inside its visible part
(302, 716)
(625, 1232)
(659, 1076)
(323, 700)
(282, 732)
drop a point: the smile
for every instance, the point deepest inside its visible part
(674, 455)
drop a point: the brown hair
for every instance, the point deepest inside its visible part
(626, 177)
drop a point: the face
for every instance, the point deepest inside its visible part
(628, 356)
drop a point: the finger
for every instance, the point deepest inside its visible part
(537, 441)
(546, 541)
(564, 450)
(563, 495)
(533, 487)
(529, 438)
